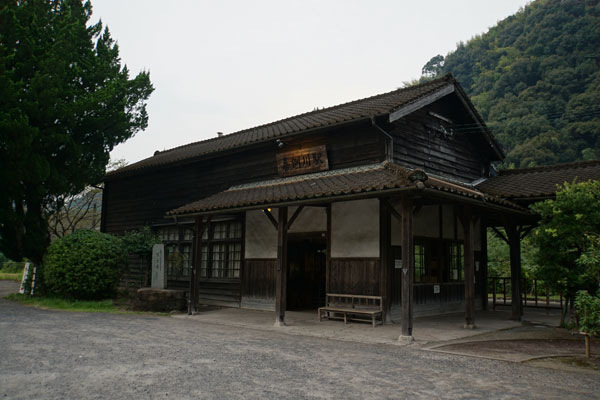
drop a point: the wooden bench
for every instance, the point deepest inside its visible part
(350, 307)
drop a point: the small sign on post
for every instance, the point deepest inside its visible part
(158, 266)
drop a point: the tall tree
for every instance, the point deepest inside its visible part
(535, 78)
(65, 102)
(567, 239)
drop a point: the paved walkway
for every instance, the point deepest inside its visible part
(427, 331)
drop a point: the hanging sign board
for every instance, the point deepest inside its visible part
(298, 162)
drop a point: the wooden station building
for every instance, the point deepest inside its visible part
(389, 195)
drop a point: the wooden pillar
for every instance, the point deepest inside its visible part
(469, 257)
(385, 233)
(514, 242)
(408, 263)
(328, 254)
(191, 299)
(281, 272)
(483, 265)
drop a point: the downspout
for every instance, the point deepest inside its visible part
(390, 148)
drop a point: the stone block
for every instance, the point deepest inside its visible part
(148, 299)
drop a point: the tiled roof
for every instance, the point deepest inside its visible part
(364, 179)
(538, 181)
(356, 110)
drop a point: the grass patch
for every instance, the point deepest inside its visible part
(8, 276)
(54, 303)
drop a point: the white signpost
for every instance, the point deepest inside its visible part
(24, 279)
(158, 266)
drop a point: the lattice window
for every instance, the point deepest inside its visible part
(420, 269)
(221, 255)
(178, 250)
(457, 262)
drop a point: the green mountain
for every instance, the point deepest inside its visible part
(535, 78)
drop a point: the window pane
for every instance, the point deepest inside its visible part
(204, 262)
(186, 259)
(218, 260)
(419, 263)
(235, 230)
(188, 233)
(233, 260)
(220, 230)
(174, 261)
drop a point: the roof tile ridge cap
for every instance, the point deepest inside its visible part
(454, 185)
(416, 176)
(305, 177)
(447, 77)
(551, 167)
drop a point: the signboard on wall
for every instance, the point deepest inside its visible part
(302, 161)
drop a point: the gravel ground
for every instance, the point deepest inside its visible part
(52, 354)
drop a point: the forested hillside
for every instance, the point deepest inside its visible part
(535, 78)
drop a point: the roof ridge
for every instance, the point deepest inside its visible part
(553, 167)
(447, 77)
(299, 178)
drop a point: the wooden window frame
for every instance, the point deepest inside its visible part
(455, 260)
(209, 241)
(180, 243)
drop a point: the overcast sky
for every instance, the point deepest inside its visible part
(223, 66)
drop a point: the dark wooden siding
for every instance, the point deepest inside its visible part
(136, 275)
(417, 145)
(143, 198)
(259, 278)
(220, 293)
(258, 283)
(354, 276)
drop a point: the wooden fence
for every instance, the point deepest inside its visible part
(532, 293)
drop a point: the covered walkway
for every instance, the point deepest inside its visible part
(428, 331)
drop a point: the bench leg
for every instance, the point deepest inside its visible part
(373, 320)
(344, 318)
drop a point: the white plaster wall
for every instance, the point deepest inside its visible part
(426, 224)
(311, 219)
(355, 228)
(261, 236)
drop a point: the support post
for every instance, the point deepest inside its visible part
(408, 261)
(328, 254)
(483, 265)
(281, 273)
(199, 227)
(191, 300)
(469, 258)
(514, 241)
(385, 233)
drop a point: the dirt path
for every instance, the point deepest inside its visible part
(49, 354)
(8, 287)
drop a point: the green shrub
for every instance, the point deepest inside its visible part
(12, 267)
(85, 265)
(140, 241)
(588, 311)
